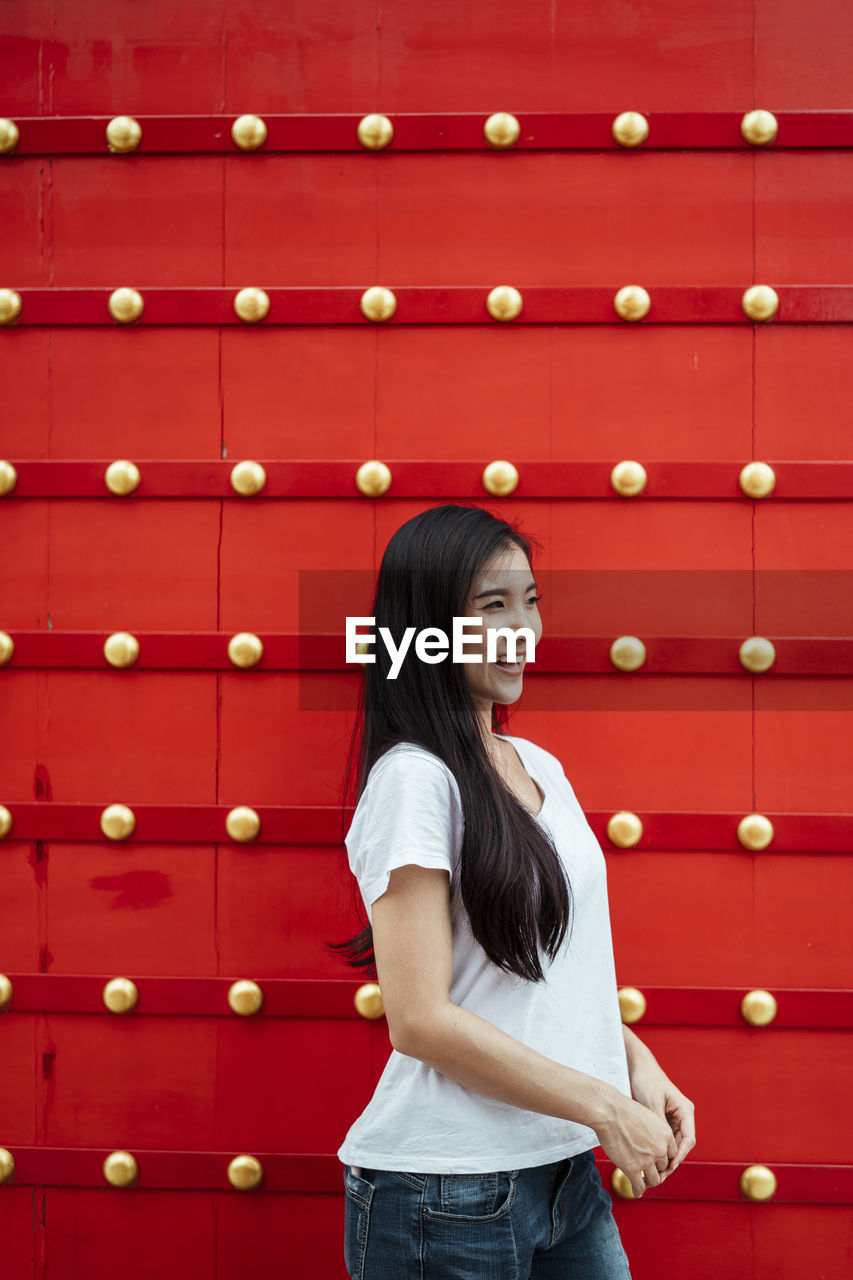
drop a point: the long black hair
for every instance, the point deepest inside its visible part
(513, 884)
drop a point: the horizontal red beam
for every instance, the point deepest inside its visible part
(208, 651)
(333, 998)
(310, 825)
(208, 1171)
(427, 304)
(461, 131)
(428, 478)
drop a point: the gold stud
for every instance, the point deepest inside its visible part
(245, 649)
(121, 649)
(122, 477)
(251, 305)
(248, 478)
(375, 132)
(758, 1008)
(245, 997)
(5, 822)
(755, 831)
(10, 306)
(8, 479)
(500, 478)
(628, 653)
(758, 1182)
(373, 478)
(7, 1164)
(757, 480)
(120, 995)
(628, 478)
(620, 1183)
(632, 1004)
(757, 654)
(624, 829)
(123, 134)
(759, 127)
(249, 132)
(126, 305)
(120, 1169)
(378, 304)
(632, 302)
(242, 824)
(368, 1001)
(118, 822)
(245, 1172)
(501, 130)
(362, 647)
(5, 990)
(504, 303)
(10, 136)
(630, 129)
(760, 302)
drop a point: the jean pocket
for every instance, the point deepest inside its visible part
(472, 1197)
(358, 1201)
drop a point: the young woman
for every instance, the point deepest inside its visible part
(489, 932)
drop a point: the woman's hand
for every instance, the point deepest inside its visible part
(639, 1142)
(651, 1086)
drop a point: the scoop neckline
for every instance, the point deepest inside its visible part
(531, 773)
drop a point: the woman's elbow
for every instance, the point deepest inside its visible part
(415, 1034)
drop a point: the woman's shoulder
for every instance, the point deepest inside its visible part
(410, 760)
(539, 755)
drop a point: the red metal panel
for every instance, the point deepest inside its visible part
(803, 211)
(803, 379)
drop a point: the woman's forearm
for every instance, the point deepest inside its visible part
(477, 1054)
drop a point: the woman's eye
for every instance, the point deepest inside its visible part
(534, 599)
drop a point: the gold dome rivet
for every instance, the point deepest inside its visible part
(245, 1172)
(632, 302)
(245, 997)
(120, 995)
(368, 1001)
(758, 1008)
(760, 302)
(755, 831)
(120, 1169)
(632, 1004)
(242, 824)
(624, 829)
(362, 647)
(126, 305)
(245, 649)
(630, 129)
(757, 653)
(10, 306)
(758, 1182)
(5, 822)
(375, 132)
(628, 653)
(628, 478)
(121, 649)
(501, 130)
(620, 1184)
(118, 822)
(373, 478)
(7, 1164)
(504, 303)
(8, 477)
(249, 132)
(10, 136)
(378, 304)
(123, 134)
(122, 477)
(757, 479)
(500, 478)
(251, 305)
(759, 127)
(5, 990)
(248, 478)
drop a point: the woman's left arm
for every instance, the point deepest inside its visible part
(651, 1086)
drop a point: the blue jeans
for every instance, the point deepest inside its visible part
(550, 1222)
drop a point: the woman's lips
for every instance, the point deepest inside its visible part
(510, 668)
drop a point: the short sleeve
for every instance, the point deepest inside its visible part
(409, 812)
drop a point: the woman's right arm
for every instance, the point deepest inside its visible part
(413, 944)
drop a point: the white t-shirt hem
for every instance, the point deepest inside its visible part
(480, 1164)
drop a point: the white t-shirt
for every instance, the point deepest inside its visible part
(419, 1120)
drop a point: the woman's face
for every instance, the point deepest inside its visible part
(503, 595)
